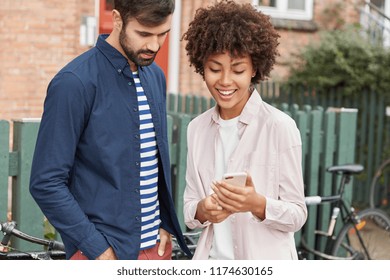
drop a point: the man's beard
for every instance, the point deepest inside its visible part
(135, 56)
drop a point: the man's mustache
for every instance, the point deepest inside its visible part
(147, 52)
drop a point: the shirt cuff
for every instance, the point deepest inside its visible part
(94, 246)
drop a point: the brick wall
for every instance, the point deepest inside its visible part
(37, 38)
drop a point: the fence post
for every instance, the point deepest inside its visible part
(346, 140)
(328, 149)
(181, 167)
(312, 170)
(188, 106)
(204, 104)
(195, 105)
(172, 102)
(301, 120)
(4, 168)
(170, 137)
(178, 151)
(24, 209)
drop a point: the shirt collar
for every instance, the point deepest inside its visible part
(117, 60)
(250, 110)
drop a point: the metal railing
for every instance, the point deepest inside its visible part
(375, 23)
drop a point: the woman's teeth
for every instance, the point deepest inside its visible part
(226, 92)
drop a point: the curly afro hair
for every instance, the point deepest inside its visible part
(238, 29)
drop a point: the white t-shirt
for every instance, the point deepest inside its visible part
(222, 247)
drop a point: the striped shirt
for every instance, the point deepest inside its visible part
(150, 209)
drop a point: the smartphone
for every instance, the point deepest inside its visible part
(236, 178)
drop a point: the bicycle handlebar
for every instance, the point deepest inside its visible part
(316, 199)
(313, 200)
(9, 229)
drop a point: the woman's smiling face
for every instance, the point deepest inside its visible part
(228, 80)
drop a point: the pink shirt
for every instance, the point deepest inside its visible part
(270, 149)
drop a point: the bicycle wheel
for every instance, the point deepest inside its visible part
(380, 187)
(374, 229)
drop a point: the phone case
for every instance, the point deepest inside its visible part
(237, 178)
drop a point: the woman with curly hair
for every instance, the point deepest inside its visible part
(233, 46)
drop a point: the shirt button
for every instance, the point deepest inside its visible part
(137, 218)
(136, 190)
(135, 109)
(119, 71)
(129, 83)
(137, 163)
(136, 136)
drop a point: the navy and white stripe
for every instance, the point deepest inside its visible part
(150, 209)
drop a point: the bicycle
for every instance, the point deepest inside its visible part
(54, 250)
(363, 235)
(380, 187)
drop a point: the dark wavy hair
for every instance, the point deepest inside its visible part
(147, 12)
(235, 28)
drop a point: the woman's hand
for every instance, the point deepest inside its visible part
(238, 199)
(209, 210)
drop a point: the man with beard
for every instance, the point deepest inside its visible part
(101, 171)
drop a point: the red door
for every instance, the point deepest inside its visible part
(105, 18)
(105, 26)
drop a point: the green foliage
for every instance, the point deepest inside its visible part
(342, 58)
(49, 231)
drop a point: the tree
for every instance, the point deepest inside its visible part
(343, 59)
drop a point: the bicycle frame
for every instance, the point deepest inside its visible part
(340, 209)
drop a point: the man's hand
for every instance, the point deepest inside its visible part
(165, 238)
(109, 254)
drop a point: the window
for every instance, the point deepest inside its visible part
(286, 9)
(375, 19)
(380, 4)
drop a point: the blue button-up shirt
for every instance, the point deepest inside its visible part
(85, 172)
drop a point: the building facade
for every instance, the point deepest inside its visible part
(38, 37)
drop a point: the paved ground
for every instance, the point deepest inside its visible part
(380, 243)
